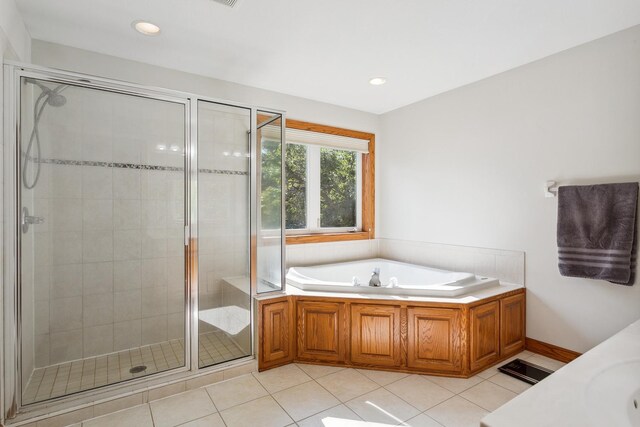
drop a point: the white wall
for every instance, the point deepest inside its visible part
(13, 32)
(467, 167)
(67, 58)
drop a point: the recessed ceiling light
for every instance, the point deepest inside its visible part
(146, 28)
(377, 81)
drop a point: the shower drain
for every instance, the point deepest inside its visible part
(138, 369)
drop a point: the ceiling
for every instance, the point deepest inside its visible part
(328, 50)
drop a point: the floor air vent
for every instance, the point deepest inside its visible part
(230, 3)
(525, 371)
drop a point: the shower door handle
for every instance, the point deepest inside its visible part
(28, 220)
(33, 220)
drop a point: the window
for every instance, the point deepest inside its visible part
(329, 173)
(339, 195)
(322, 189)
(296, 171)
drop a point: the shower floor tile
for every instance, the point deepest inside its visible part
(216, 347)
(84, 374)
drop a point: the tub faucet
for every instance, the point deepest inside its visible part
(375, 278)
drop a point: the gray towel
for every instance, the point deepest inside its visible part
(597, 231)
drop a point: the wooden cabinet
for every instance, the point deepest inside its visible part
(484, 324)
(375, 335)
(512, 324)
(321, 331)
(434, 339)
(439, 338)
(275, 332)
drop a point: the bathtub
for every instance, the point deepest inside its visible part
(397, 278)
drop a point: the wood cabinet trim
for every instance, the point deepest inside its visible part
(369, 340)
(335, 311)
(512, 324)
(284, 353)
(439, 333)
(397, 351)
(484, 330)
(327, 237)
(552, 351)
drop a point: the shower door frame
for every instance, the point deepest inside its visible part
(10, 308)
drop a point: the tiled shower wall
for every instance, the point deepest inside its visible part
(223, 199)
(109, 258)
(223, 219)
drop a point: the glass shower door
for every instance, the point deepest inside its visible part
(102, 276)
(224, 259)
(270, 236)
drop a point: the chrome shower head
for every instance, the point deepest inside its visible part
(53, 96)
(55, 99)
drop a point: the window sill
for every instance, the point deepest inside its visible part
(327, 237)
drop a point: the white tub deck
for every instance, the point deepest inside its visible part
(396, 278)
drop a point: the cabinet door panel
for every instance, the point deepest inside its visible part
(375, 335)
(276, 333)
(321, 333)
(512, 324)
(434, 339)
(485, 334)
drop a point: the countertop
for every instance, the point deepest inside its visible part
(576, 394)
(462, 299)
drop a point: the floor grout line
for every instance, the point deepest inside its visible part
(333, 407)
(473, 403)
(285, 411)
(405, 400)
(153, 420)
(340, 402)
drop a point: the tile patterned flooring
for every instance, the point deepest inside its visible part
(216, 347)
(79, 375)
(322, 396)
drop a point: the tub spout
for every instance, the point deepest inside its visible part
(375, 278)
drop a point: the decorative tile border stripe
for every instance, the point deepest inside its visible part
(222, 172)
(136, 166)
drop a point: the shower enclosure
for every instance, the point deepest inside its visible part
(134, 236)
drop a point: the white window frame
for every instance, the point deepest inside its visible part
(313, 196)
